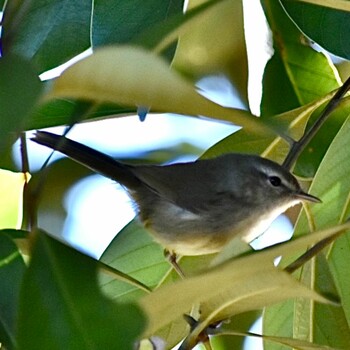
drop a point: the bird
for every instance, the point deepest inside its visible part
(197, 207)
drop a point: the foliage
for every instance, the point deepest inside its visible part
(53, 296)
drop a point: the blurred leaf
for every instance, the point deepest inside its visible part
(289, 342)
(20, 89)
(213, 43)
(243, 323)
(11, 198)
(61, 306)
(274, 148)
(326, 26)
(332, 186)
(49, 32)
(68, 111)
(257, 283)
(120, 22)
(132, 76)
(12, 268)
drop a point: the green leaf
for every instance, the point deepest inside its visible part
(134, 252)
(20, 89)
(132, 76)
(257, 283)
(311, 74)
(120, 22)
(320, 323)
(326, 26)
(284, 341)
(274, 148)
(61, 306)
(332, 186)
(11, 198)
(12, 268)
(278, 93)
(50, 32)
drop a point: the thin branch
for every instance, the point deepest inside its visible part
(300, 145)
(29, 204)
(312, 252)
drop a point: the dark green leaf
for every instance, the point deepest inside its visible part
(119, 22)
(278, 93)
(326, 26)
(19, 90)
(12, 268)
(50, 32)
(61, 306)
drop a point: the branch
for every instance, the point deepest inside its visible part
(299, 146)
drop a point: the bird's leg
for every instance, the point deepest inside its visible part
(171, 257)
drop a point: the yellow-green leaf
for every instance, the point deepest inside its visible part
(240, 285)
(135, 77)
(11, 198)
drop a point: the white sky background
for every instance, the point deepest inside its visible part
(97, 208)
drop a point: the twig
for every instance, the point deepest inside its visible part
(29, 202)
(299, 146)
(312, 252)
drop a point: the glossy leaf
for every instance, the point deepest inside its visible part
(12, 268)
(61, 306)
(329, 27)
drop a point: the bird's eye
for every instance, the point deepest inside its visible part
(275, 181)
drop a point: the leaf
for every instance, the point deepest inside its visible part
(329, 27)
(11, 198)
(18, 82)
(278, 93)
(312, 75)
(290, 342)
(132, 76)
(12, 268)
(120, 22)
(321, 324)
(68, 111)
(274, 148)
(61, 306)
(256, 283)
(205, 47)
(135, 253)
(332, 186)
(62, 31)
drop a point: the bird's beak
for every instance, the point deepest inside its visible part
(303, 196)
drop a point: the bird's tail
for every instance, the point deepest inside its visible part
(95, 160)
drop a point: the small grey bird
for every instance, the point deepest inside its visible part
(198, 207)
